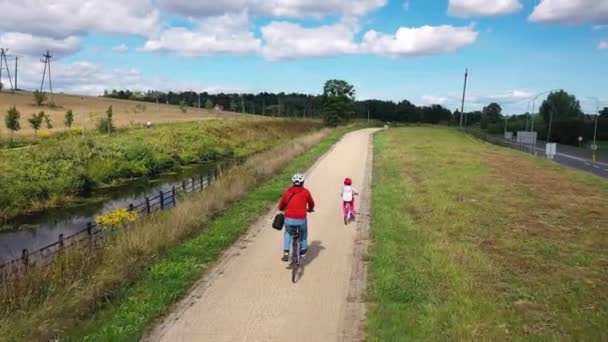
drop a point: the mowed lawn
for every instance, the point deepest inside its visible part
(475, 241)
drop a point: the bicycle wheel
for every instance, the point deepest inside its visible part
(295, 256)
(346, 212)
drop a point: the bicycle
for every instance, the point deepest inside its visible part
(294, 253)
(295, 256)
(349, 215)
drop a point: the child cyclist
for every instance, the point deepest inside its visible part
(348, 199)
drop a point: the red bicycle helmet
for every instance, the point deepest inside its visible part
(348, 181)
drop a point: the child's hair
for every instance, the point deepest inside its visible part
(348, 181)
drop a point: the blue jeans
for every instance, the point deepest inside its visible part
(289, 222)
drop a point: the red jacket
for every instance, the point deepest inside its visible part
(297, 206)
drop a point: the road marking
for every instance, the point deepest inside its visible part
(605, 170)
(595, 166)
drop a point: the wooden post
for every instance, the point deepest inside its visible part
(131, 207)
(209, 178)
(61, 244)
(216, 172)
(184, 185)
(25, 256)
(162, 200)
(173, 194)
(90, 229)
(193, 185)
(148, 205)
(202, 182)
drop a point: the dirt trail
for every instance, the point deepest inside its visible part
(249, 296)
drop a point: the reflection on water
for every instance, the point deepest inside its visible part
(37, 231)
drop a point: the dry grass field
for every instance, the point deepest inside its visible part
(126, 113)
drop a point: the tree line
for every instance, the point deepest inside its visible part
(342, 95)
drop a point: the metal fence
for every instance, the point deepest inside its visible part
(92, 231)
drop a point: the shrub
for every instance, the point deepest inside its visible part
(117, 218)
(39, 97)
(11, 119)
(69, 118)
(104, 125)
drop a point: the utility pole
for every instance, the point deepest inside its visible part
(16, 58)
(8, 71)
(464, 92)
(368, 115)
(597, 114)
(47, 62)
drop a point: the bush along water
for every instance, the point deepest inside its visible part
(59, 170)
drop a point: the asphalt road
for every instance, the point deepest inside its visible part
(569, 158)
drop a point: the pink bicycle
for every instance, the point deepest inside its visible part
(349, 213)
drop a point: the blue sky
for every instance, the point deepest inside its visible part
(389, 49)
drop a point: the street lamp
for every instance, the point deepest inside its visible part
(597, 114)
(534, 104)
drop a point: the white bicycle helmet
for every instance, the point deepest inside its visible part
(297, 179)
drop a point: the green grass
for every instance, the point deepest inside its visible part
(170, 277)
(58, 170)
(476, 242)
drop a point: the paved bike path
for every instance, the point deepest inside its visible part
(249, 296)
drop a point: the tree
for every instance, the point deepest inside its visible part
(109, 114)
(182, 106)
(105, 125)
(209, 104)
(563, 106)
(11, 119)
(47, 122)
(69, 118)
(490, 114)
(338, 98)
(604, 112)
(36, 121)
(232, 105)
(39, 97)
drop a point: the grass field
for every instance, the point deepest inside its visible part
(58, 170)
(476, 242)
(116, 292)
(126, 113)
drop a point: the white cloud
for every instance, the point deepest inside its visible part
(276, 8)
(482, 8)
(285, 40)
(603, 45)
(511, 101)
(430, 99)
(92, 79)
(121, 48)
(406, 5)
(419, 41)
(229, 33)
(571, 11)
(599, 27)
(63, 18)
(30, 45)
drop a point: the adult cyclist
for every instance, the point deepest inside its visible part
(295, 203)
